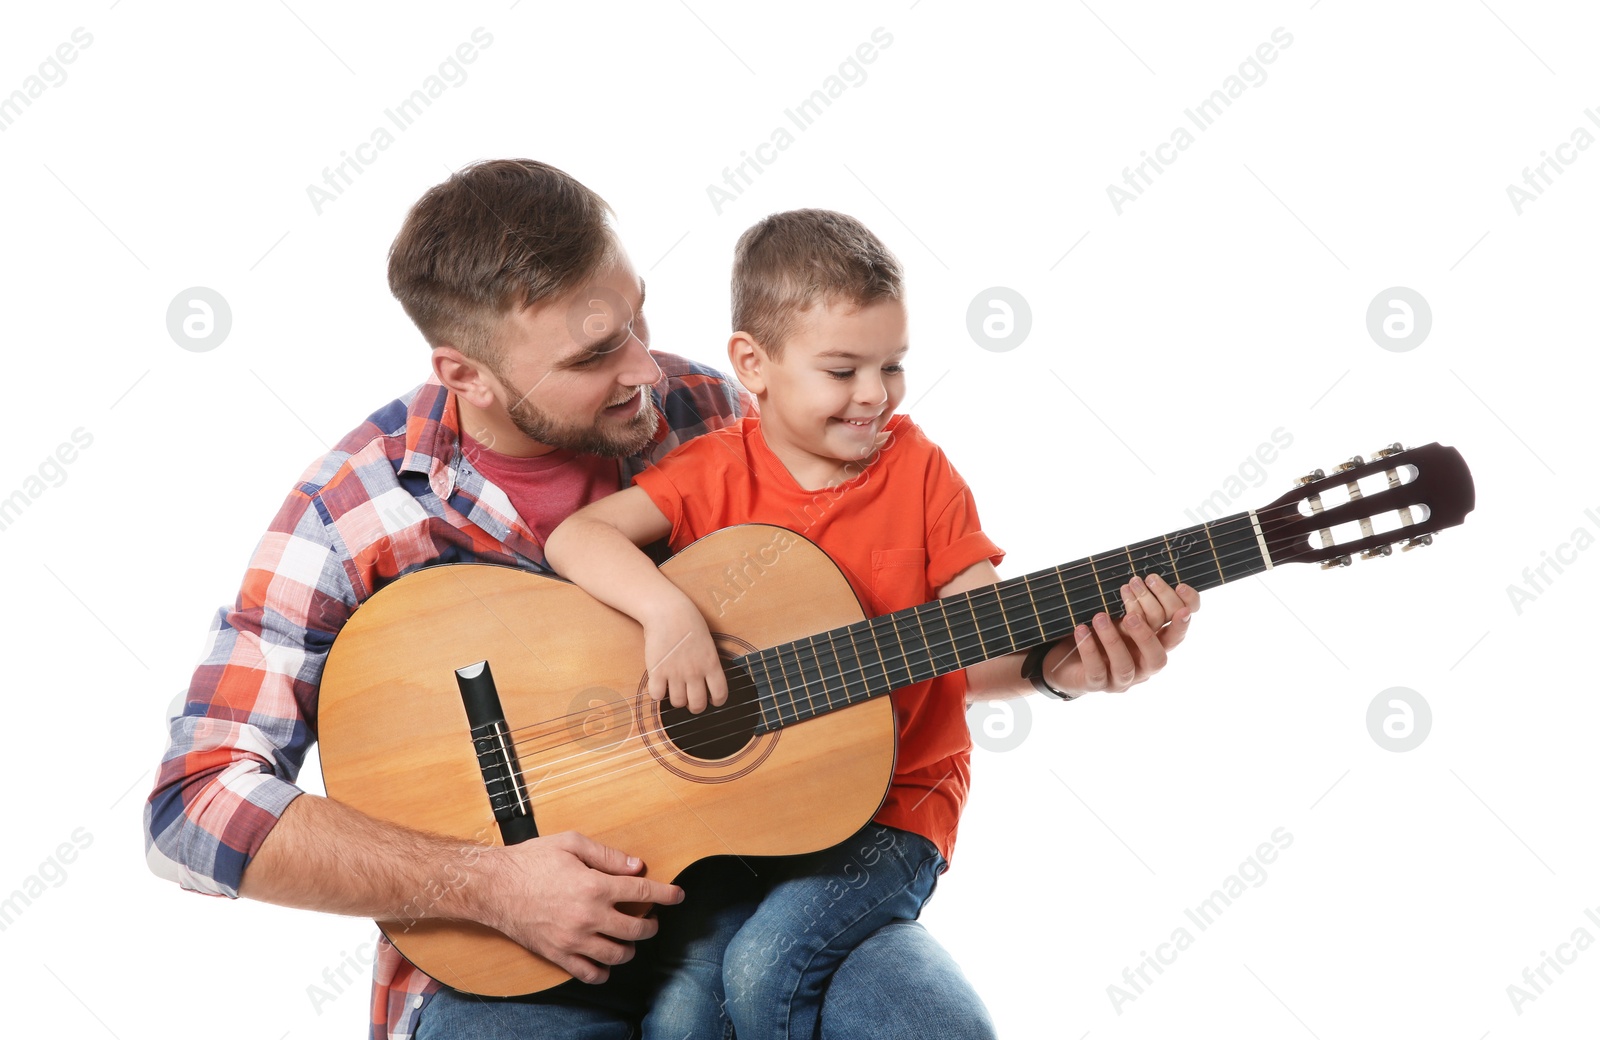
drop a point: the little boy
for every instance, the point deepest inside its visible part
(820, 339)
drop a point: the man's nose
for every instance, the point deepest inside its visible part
(639, 368)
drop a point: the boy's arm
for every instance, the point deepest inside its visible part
(597, 549)
(1096, 656)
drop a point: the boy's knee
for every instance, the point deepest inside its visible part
(973, 1029)
(749, 963)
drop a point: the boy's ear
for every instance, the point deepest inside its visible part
(468, 378)
(747, 358)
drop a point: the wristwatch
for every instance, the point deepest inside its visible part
(1033, 671)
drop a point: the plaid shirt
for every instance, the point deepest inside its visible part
(394, 495)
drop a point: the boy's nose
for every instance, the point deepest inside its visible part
(871, 390)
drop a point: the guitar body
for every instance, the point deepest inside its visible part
(594, 754)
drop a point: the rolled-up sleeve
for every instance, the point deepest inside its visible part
(249, 717)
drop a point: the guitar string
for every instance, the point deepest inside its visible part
(734, 723)
(1010, 597)
(1018, 590)
(1289, 518)
(792, 675)
(738, 728)
(593, 765)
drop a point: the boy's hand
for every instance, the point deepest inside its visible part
(1097, 657)
(681, 659)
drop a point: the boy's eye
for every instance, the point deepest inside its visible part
(841, 373)
(894, 369)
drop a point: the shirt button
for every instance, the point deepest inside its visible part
(416, 1002)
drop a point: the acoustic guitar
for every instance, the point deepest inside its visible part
(490, 703)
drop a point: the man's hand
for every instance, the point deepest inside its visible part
(558, 897)
(1107, 655)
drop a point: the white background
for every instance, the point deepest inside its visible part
(1167, 343)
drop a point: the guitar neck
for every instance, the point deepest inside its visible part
(807, 677)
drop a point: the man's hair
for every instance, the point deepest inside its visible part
(497, 235)
(788, 262)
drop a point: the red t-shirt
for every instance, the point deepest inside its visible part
(546, 489)
(899, 530)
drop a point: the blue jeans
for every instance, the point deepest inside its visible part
(896, 984)
(900, 984)
(817, 909)
(671, 990)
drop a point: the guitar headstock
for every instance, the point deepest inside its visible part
(1403, 496)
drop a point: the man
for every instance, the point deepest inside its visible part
(544, 397)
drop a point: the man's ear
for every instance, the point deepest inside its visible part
(747, 357)
(471, 380)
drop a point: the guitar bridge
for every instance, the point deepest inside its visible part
(497, 754)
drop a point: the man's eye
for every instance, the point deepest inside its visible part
(635, 329)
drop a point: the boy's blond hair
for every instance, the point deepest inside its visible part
(788, 262)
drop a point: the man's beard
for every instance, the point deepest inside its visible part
(614, 443)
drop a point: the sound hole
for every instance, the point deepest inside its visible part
(715, 733)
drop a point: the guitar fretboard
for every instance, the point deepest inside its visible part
(799, 680)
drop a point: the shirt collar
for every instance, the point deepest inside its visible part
(433, 436)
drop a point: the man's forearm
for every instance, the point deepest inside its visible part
(323, 855)
(556, 895)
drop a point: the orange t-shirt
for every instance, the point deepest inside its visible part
(899, 530)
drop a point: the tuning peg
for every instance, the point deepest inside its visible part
(1419, 540)
(1355, 460)
(1338, 561)
(1383, 453)
(1315, 474)
(1378, 550)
